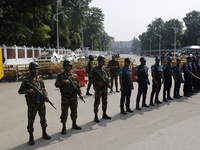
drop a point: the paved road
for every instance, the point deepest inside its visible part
(171, 126)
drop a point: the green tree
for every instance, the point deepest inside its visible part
(192, 33)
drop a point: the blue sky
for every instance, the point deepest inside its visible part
(125, 19)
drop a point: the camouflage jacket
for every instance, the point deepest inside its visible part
(90, 65)
(66, 90)
(95, 78)
(31, 98)
(114, 67)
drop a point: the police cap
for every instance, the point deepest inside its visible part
(127, 59)
(101, 58)
(67, 63)
(142, 59)
(178, 59)
(189, 57)
(33, 65)
(157, 58)
(194, 57)
(169, 58)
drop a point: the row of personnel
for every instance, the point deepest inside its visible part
(68, 83)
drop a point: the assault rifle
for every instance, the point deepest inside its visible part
(104, 80)
(75, 88)
(39, 94)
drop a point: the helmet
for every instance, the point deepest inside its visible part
(67, 63)
(91, 57)
(101, 58)
(33, 65)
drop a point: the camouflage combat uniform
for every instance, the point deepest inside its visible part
(114, 72)
(90, 65)
(100, 91)
(68, 95)
(31, 99)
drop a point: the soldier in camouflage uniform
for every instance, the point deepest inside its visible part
(113, 66)
(34, 106)
(100, 87)
(68, 95)
(90, 65)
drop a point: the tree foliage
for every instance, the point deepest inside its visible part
(189, 36)
(34, 23)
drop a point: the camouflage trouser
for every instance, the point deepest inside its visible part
(98, 95)
(32, 111)
(66, 103)
(89, 84)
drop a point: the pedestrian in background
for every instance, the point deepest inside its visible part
(126, 85)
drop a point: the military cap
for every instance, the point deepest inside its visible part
(178, 59)
(189, 57)
(142, 59)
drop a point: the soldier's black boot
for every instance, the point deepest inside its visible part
(75, 126)
(45, 135)
(123, 111)
(151, 102)
(31, 139)
(88, 93)
(64, 130)
(128, 109)
(105, 116)
(96, 118)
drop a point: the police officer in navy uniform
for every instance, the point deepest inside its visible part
(198, 69)
(156, 72)
(126, 85)
(195, 72)
(167, 79)
(187, 69)
(177, 71)
(142, 73)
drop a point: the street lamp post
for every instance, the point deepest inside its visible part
(175, 31)
(55, 17)
(160, 37)
(150, 44)
(82, 36)
(92, 40)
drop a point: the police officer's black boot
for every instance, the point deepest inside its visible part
(75, 126)
(31, 139)
(96, 118)
(64, 130)
(138, 107)
(123, 111)
(151, 100)
(45, 135)
(105, 116)
(128, 109)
